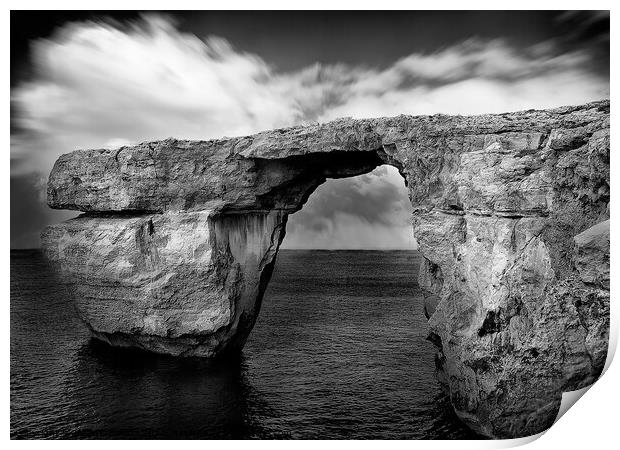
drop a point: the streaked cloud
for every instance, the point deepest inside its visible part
(102, 85)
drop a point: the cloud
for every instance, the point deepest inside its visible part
(592, 26)
(371, 209)
(473, 78)
(97, 84)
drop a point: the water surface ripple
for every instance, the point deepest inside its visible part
(338, 351)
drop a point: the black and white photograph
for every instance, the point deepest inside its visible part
(313, 224)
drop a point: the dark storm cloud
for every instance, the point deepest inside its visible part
(101, 84)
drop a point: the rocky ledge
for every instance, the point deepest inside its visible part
(178, 239)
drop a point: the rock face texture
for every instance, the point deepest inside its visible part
(178, 239)
(179, 283)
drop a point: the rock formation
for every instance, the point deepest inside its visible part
(178, 239)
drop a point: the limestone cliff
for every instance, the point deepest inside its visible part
(511, 212)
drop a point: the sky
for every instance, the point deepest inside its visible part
(105, 79)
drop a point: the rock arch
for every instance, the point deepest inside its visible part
(178, 239)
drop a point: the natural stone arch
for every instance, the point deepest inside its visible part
(179, 238)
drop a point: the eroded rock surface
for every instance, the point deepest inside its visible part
(511, 212)
(178, 283)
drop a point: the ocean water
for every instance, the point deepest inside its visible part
(338, 352)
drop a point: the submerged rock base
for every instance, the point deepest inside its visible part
(511, 212)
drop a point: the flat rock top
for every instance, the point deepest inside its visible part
(272, 143)
(181, 174)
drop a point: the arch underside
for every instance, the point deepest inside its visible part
(178, 239)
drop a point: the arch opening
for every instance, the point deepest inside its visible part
(371, 211)
(343, 318)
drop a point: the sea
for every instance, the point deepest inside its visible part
(339, 351)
